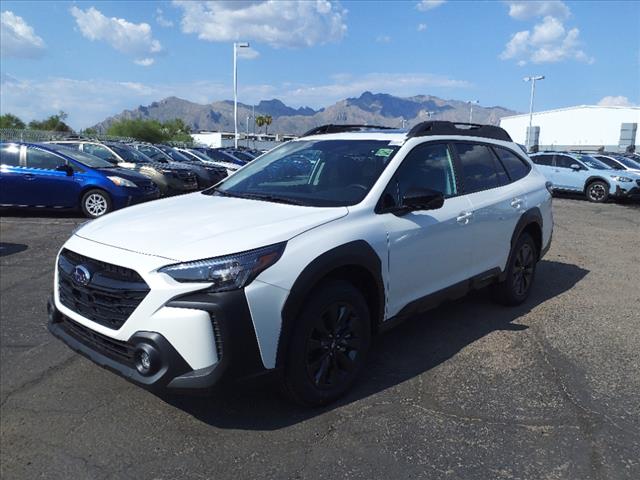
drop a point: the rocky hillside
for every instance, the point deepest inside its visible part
(369, 108)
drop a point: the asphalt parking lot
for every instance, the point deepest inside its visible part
(548, 390)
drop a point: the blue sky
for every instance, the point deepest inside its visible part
(93, 59)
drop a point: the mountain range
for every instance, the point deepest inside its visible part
(369, 108)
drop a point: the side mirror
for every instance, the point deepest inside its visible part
(65, 168)
(422, 199)
(576, 167)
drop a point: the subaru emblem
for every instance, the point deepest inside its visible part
(81, 275)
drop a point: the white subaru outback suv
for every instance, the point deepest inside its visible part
(292, 264)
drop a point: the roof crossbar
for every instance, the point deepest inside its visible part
(441, 127)
(332, 128)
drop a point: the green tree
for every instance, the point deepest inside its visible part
(90, 131)
(9, 120)
(267, 121)
(260, 121)
(54, 122)
(152, 130)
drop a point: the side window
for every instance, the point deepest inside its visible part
(426, 166)
(479, 167)
(10, 155)
(545, 160)
(44, 160)
(97, 150)
(564, 161)
(514, 165)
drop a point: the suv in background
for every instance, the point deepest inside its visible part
(49, 176)
(290, 271)
(580, 173)
(171, 179)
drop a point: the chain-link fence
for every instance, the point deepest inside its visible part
(27, 135)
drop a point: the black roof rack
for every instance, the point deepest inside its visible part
(441, 127)
(331, 128)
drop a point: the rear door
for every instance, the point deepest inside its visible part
(544, 164)
(497, 204)
(47, 186)
(12, 176)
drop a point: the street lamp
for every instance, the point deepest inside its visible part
(471, 102)
(533, 80)
(236, 46)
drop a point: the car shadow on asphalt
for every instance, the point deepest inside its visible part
(7, 249)
(411, 349)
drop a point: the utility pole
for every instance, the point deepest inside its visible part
(471, 103)
(236, 45)
(533, 79)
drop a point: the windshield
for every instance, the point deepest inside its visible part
(218, 155)
(628, 162)
(84, 158)
(198, 155)
(130, 154)
(610, 162)
(312, 173)
(593, 163)
(175, 155)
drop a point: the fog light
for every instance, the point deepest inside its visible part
(147, 360)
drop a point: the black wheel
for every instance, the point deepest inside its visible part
(520, 273)
(329, 345)
(95, 203)
(597, 191)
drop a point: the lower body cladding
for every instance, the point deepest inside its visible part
(221, 323)
(632, 193)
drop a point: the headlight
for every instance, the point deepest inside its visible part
(166, 171)
(229, 272)
(621, 179)
(122, 182)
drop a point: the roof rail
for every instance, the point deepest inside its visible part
(331, 128)
(441, 127)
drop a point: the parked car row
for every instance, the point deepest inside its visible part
(600, 176)
(98, 177)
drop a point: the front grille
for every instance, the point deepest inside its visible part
(149, 187)
(120, 351)
(186, 175)
(111, 295)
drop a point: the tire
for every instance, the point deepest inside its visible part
(329, 345)
(520, 274)
(95, 203)
(597, 191)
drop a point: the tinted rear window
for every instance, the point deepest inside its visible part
(479, 167)
(543, 160)
(514, 165)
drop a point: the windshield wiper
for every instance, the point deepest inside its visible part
(273, 198)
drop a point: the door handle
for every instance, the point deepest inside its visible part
(464, 217)
(516, 203)
(29, 176)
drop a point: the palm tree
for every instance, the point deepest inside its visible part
(267, 122)
(260, 120)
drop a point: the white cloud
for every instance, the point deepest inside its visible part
(145, 62)
(91, 101)
(160, 20)
(616, 101)
(425, 5)
(383, 39)
(549, 41)
(133, 39)
(279, 23)
(422, 27)
(525, 10)
(17, 37)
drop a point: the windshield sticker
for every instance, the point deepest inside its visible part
(384, 152)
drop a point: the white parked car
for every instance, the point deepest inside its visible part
(291, 265)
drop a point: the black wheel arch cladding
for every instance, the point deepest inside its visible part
(353, 258)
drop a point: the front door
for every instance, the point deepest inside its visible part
(47, 186)
(428, 250)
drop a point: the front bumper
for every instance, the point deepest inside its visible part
(627, 192)
(234, 341)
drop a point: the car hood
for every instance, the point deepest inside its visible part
(196, 226)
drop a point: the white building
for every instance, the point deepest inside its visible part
(584, 126)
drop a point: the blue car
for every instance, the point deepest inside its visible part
(48, 176)
(579, 173)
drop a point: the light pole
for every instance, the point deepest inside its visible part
(533, 80)
(471, 102)
(236, 45)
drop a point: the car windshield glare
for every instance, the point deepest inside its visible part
(84, 158)
(593, 163)
(130, 154)
(313, 172)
